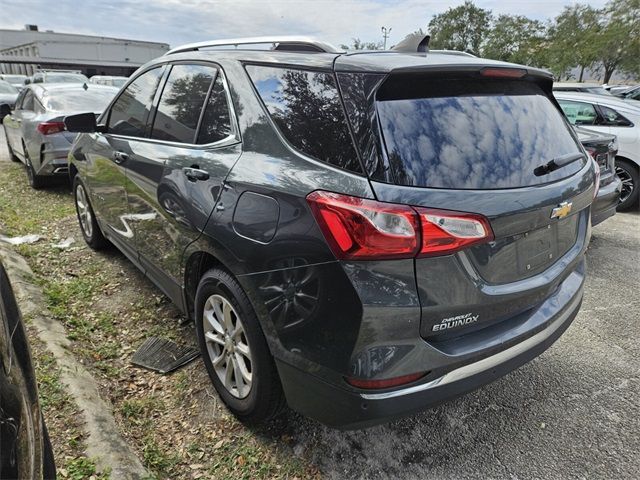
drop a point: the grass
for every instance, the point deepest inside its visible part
(175, 423)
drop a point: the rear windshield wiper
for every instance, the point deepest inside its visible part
(556, 163)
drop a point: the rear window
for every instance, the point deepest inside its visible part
(481, 135)
(79, 100)
(306, 108)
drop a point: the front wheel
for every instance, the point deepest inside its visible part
(628, 175)
(86, 218)
(234, 349)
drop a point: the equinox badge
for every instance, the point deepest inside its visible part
(561, 210)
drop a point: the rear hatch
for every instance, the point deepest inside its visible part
(474, 141)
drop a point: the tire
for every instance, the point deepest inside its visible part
(86, 218)
(12, 155)
(261, 398)
(628, 174)
(36, 181)
(48, 461)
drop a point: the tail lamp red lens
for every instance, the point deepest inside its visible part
(360, 229)
(49, 128)
(501, 72)
(386, 383)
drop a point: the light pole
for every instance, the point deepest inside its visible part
(385, 34)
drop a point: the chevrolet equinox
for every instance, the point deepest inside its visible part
(359, 235)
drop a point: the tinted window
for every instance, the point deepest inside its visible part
(20, 98)
(474, 136)
(181, 103)
(216, 123)
(90, 100)
(306, 108)
(614, 118)
(27, 101)
(579, 113)
(129, 113)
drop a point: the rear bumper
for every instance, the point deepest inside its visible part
(345, 408)
(604, 205)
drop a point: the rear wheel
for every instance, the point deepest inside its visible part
(628, 175)
(234, 349)
(36, 181)
(87, 219)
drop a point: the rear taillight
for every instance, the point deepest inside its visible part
(49, 128)
(446, 232)
(360, 229)
(357, 228)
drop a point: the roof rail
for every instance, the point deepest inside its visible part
(283, 43)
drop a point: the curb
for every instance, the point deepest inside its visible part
(104, 443)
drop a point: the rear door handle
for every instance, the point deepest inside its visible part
(195, 174)
(120, 157)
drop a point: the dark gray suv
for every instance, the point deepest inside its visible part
(362, 235)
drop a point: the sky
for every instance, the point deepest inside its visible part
(184, 21)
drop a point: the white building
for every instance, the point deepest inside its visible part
(25, 51)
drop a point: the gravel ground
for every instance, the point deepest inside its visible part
(572, 413)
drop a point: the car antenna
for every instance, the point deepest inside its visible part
(85, 86)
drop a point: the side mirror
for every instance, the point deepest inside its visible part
(5, 110)
(81, 123)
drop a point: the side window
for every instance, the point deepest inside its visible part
(20, 99)
(181, 103)
(306, 108)
(579, 113)
(129, 113)
(216, 122)
(27, 101)
(613, 118)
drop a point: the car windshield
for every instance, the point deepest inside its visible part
(465, 135)
(7, 88)
(66, 78)
(80, 100)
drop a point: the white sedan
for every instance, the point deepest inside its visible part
(621, 118)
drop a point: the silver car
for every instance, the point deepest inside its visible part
(8, 93)
(35, 130)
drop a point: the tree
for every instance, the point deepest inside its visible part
(617, 47)
(514, 38)
(572, 37)
(357, 44)
(461, 28)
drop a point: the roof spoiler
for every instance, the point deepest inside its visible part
(413, 44)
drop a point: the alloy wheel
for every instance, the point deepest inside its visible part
(227, 345)
(627, 183)
(84, 211)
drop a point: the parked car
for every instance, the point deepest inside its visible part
(25, 449)
(632, 93)
(112, 81)
(58, 76)
(615, 116)
(8, 94)
(365, 235)
(35, 130)
(16, 80)
(603, 149)
(593, 88)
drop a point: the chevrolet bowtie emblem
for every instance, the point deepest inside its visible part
(561, 210)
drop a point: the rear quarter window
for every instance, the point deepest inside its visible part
(306, 108)
(473, 135)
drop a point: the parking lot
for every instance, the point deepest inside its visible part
(571, 413)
